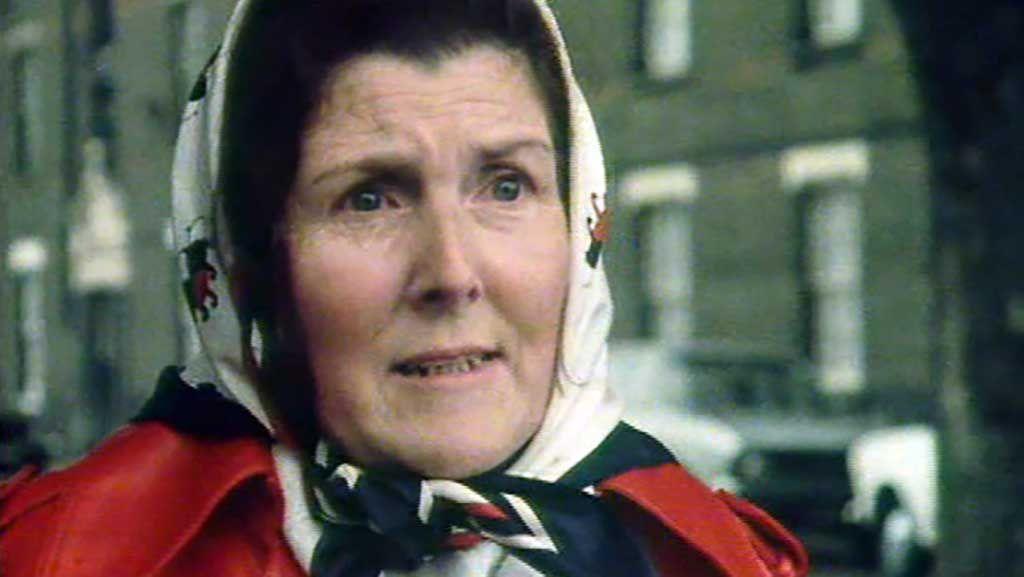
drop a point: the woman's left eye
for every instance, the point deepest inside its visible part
(507, 188)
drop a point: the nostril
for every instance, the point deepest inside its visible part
(450, 296)
(436, 296)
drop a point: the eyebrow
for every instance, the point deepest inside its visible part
(402, 165)
(398, 165)
(508, 148)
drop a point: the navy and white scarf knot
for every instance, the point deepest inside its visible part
(375, 521)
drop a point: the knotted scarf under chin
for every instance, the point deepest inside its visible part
(375, 521)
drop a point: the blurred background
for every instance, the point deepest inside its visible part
(816, 258)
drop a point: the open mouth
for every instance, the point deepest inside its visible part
(449, 366)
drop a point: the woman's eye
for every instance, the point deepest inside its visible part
(365, 200)
(508, 188)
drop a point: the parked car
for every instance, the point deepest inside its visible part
(894, 472)
(744, 418)
(795, 467)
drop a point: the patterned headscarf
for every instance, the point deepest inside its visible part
(582, 411)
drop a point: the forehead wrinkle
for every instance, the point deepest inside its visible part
(346, 81)
(392, 107)
(379, 105)
(374, 125)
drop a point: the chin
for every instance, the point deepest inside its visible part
(445, 452)
(447, 435)
(459, 464)
(474, 444)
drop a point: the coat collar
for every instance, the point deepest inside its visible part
(711, 523)
(165, 485)
(168, 485)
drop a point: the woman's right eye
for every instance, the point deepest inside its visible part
(366, 201)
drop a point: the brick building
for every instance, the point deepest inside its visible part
(89, 304)
(771, 171)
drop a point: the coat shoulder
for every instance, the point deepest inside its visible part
(49, 522)
(692, 530)
(781, 552)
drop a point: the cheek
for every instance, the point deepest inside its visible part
(340, 292)
(534, 279)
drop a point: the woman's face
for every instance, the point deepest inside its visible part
(428, 252)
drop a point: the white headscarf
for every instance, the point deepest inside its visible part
(582, 410)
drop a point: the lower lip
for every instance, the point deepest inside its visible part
(485, 373)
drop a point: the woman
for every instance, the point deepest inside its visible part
(390, 215)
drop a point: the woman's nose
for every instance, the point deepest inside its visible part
(445, 275)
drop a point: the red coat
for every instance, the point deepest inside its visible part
(155, 502)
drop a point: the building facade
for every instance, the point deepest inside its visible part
(768, 164)
(89, 298)
(771, 174)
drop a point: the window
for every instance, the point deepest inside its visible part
(663, 197)
(27, 113)
(834, 23)
(27, 260)
(100, 33)
(668, 271)
(827, 180)
(667, 39)
(831, 277)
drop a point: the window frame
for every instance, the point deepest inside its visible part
(648, 192)
(27, 112)
(818, 287)
(27, 263)
(646, 39)
(808, 172)
(811, 51)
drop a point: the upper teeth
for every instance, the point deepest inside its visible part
(462, 364)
